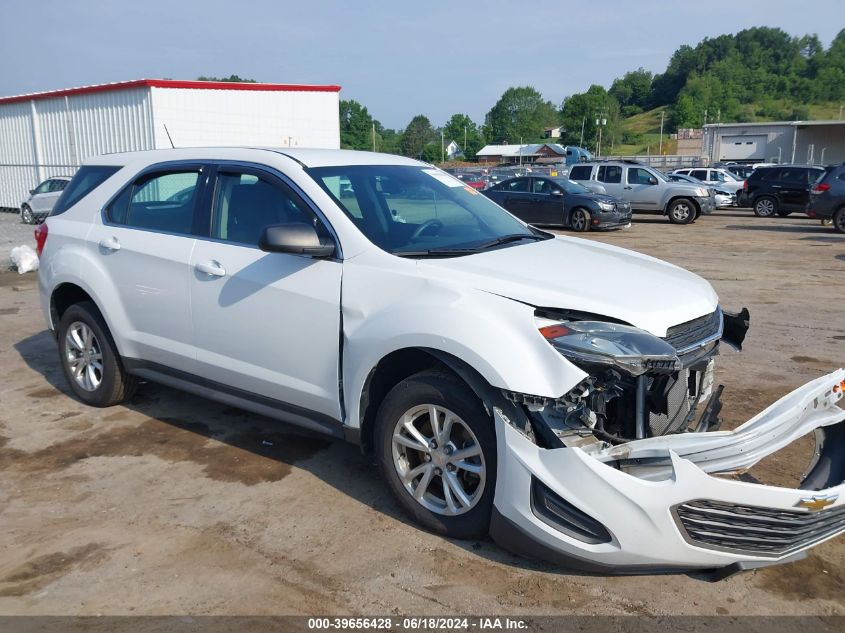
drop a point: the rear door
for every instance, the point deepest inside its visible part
(611, 177)
(516, 197)
(266, 325)
(792, 188)
(144, 245)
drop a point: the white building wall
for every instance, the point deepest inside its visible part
(245, 117)
(41, 138)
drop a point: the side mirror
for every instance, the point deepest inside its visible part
(557, 192)
(652, 180)
(297, 238)
(32, 192)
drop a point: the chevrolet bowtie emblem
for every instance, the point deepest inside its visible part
(817, 502)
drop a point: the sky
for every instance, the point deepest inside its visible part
(398, 58)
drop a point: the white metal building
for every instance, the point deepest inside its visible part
(816, 142)
(50, 133)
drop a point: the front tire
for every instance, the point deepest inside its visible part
(27, 216)
(765, 207)
(580, 220)
(436, 450)
(89, 358)
(682, 211)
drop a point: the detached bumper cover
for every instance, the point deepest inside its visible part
(660, 502)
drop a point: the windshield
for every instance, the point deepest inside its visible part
(571, 187)
(418, 211)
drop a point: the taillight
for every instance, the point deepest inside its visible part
(745, 185)
(40, 237)
(819, 188)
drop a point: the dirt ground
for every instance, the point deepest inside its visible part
(177, 505)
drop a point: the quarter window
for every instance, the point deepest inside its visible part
(580, 172)
(163, 201)
(245, 203)
(610, 174)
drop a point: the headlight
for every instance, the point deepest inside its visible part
(606, 206)
(599, 343)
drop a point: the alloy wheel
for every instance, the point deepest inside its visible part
(765, 207)
(84, 356)
(439, 460)
(26, 215)
(681, 212)
(579, 221)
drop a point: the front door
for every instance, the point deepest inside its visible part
(642, 190)
(546, 207)
(265, 324)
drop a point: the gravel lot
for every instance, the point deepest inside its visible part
(173, 504)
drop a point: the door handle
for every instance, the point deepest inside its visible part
(777, 186)
(110, 243)
(212, 268)
(627, 187)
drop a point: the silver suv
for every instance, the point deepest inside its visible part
(647, 189)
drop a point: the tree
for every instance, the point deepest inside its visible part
(520, 113)
(583, 109)
(230, 78)
(460, 127)
(356, 126)
(416, 136)
(633, 89)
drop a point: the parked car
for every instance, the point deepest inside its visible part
(723, 198)
(546, 201)
(647, 190)
(740, 171)
(827, 197)
(554, 391)
(718, 178)
(779, 190)
(41, 199)
(472, 179)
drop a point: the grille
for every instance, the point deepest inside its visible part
(688, 334)
(761, 531)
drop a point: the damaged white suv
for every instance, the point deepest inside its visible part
(377, 299)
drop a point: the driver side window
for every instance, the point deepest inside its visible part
(520, 184)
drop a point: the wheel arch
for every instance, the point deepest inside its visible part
(403, 363)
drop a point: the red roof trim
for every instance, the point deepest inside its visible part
(171, 83)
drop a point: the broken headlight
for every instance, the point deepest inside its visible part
(611, 344)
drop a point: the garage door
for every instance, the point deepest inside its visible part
(745, 147)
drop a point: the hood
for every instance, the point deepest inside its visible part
(576, 274)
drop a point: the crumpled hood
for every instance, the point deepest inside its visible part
(577, 274)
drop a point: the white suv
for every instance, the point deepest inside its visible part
(378, 299)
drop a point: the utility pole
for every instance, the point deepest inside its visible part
(520, 151)
(465, 142)
(442, 148)
(705, 116)
(374, 137)
(584, 121)
(662, 114)
(840, 111)
(601, 121)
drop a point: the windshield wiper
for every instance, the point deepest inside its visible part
(435, 252)
(506, 239)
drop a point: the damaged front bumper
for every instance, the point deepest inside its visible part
(665, 503)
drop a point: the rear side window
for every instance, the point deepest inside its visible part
(520, 184)
(610, 174)
(580, 172)
(701, 174)
(768, 174)
(57, 185)
(162, 201)
(87, 179)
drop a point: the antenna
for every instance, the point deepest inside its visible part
(172, 146)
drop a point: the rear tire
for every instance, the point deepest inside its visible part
(89, 358)
(765, 207)
(451, 498)
(580, 220)
(27, 216)
(682, 211)
(839, 220)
